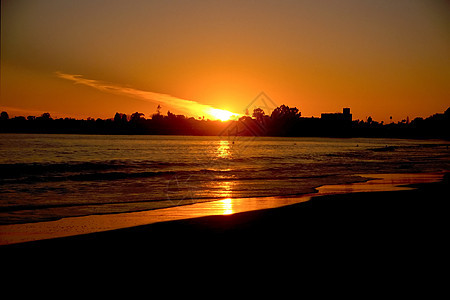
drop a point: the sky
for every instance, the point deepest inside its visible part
(93, 58)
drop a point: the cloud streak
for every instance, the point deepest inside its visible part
(188, 106)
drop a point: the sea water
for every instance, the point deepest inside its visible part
(45, 177)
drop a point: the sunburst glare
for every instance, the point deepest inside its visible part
(221, 114)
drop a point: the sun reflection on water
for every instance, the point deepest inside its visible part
(227, 206)
(223, 149)
(224, 189)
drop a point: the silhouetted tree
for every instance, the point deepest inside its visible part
(117, 117)
(170, 115)
(285, 112)
(258, 114)
(120, 118)
(157, 116)
(136, 116)
(4, 116)
(46, 116)
(284, 121)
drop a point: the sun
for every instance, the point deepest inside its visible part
(221, 114)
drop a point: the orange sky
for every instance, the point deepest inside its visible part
(380, 58)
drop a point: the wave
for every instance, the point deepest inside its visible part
(110, 176)
(17, 170)
(107, 176)
(82, 204)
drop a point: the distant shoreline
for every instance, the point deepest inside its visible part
(422, 138)
(283, 122)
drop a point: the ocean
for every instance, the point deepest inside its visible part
(46, 177)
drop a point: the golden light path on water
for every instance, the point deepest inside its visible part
(223, 149)
(16, 233)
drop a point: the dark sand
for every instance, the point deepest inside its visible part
(395, 223)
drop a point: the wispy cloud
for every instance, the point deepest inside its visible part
(189, 107)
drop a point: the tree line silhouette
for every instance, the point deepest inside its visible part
(283, 121)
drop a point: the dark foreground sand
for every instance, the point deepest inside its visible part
(388, 223)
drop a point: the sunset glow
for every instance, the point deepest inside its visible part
(197, 58)
(221, 114)
(188, 107)
(118, 117)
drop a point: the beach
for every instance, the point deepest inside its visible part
(79, 200)
(227, 139)
(393, 223)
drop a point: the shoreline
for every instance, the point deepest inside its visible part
(80, 228)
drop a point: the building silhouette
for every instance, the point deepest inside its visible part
(344, 116)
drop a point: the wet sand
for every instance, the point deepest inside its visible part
(393, 222)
